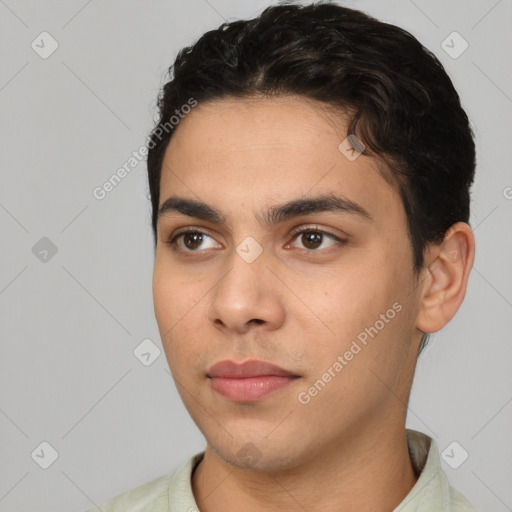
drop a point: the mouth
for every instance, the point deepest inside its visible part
(249, 381)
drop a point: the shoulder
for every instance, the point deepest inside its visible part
(432, 491)
(151, 496)
(168, 492)
(459, 503)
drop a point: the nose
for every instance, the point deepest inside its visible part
(248, 296)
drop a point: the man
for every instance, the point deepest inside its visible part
(309, 180)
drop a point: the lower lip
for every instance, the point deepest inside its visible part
(249, 389)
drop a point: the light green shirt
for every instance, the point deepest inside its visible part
(173, 493)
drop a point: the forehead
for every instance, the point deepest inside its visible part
(263, 151)
(261, 123)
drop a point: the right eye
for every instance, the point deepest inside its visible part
(190, 241)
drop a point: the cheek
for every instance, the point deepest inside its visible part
(366, 305)
(172, 297)
(179, 311)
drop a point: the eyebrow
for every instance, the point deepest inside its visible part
(275, 215)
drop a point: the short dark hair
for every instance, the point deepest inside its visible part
(401, 102)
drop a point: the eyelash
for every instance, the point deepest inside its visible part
(294, 234)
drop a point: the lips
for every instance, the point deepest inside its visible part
(249, 381)
(253, 368)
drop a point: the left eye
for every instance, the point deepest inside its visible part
(313, 239)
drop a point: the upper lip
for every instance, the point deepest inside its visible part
(252, 368)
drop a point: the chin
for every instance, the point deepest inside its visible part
(257, 453)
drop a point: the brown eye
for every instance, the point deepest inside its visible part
(192, 240)
(313, 239)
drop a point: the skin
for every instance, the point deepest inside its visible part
(299, 305)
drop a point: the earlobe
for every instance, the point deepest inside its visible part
(445, 278)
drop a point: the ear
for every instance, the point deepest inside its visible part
(445, 278)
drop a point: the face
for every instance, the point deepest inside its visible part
(275, 246)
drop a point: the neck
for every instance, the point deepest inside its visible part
(366, 471)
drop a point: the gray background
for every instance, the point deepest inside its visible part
(69, 324)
